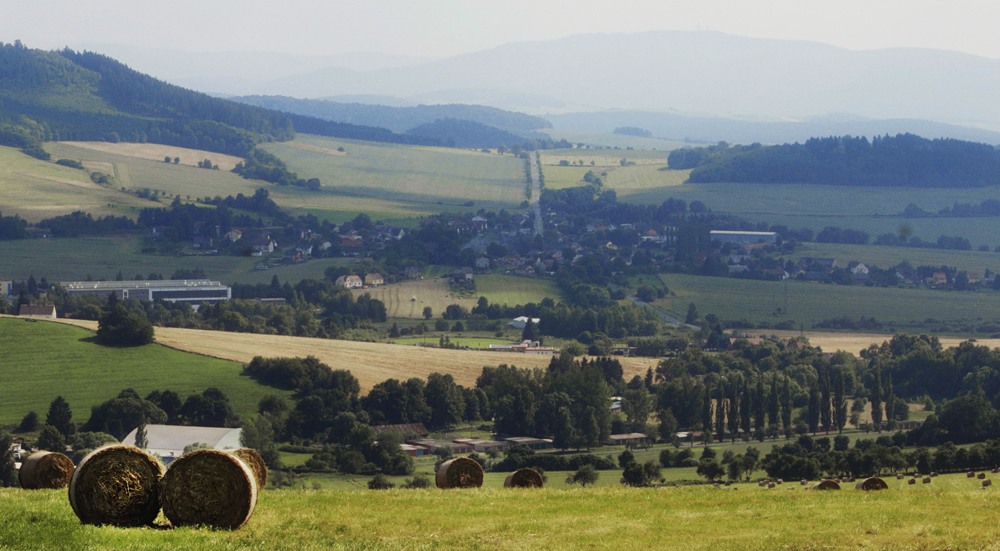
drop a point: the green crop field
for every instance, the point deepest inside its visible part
(936, 516)
(42, 360)
(512, 290)
(886, 257)
(102, 258)
(808, 303)
(424, 177)
(35, 189)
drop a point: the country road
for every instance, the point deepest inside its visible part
(536, 192)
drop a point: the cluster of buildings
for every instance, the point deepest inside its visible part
(426, 446)
(357, 282)
(194, 291)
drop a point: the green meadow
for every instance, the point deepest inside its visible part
(887, 257)
(935, 516)
(42, 360)
(808, 303)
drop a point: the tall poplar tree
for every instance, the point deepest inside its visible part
(706, 409)
(812, 417)
(786, 406)
(759, 406)
(824, 402)
(890, 399)
(876, 396)
(720, 412)
(839, 401)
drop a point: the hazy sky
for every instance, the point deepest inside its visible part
(449, 27)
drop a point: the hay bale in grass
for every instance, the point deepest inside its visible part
(825, 485)
(460, 472)
(970, 474)
(933, 474)
(926, 480)
(770, 485)
(803, 482)
(523, 478)
(117, 485)
(780, 481)
(995, 471)
(899, 476)
(911, 481)
(872, 483)
(981, 476)
(252, 459)
(762, 483)
(208, 487)
(987, 482)
(45, 471)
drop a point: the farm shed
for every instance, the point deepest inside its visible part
(169, 441)
(630, 438)
(533, 443)
(431, 444)
(37, 311)
(481, 445)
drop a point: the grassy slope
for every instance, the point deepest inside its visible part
(36, 189)
(43, 360)
(699, 517)
(407, 177)
(812, 302)
(102, 257)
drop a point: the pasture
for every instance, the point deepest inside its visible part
(808, 303)
(43, 360)
(418, 178)
(691, 517)
(103, 257)
(157, 152)
(35, 190)
(408, 299)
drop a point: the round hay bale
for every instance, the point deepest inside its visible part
(825, 485)
(981, 476)
(899, 477)
(208, 487)
(460, 472)
(995, 471)
(803, 482)
(926, 480)
(729, 483)
(762, 483)
(933, 474)
(117, 485)
(45, 471)
(770, 485)
(911, 481)
(523, 478)
(780, 481)
(970, 474)
(252, 459)
(987, 482)
(872, 483)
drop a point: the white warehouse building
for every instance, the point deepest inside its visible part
(177, 290)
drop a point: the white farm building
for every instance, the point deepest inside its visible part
(171, 290)
(169, 441)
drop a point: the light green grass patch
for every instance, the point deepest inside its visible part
(808, 303)
(512, 290)
(42, 360)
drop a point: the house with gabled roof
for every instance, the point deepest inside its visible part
(350, 282)
(37, 311)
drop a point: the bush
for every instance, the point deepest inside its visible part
(417, 482)
(122, 328)
(380, 482)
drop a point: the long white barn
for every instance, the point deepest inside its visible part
(171, 290)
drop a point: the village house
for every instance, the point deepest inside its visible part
(234, 235)
(373, 279)
(350, 281)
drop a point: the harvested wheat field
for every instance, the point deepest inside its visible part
(856, 342)
(371, 363)
(156, 152)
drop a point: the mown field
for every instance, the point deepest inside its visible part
(690, 517)
(103, 257)
(414, 179)
(808, 303)
(409, 298)
(43, 360)
(35, 190)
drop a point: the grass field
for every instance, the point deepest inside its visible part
(935, 516)
(35, 190)
(886, 257)
(102, 258)
(808, 303)
(418, 177)
(408, 299)
(157, 152)
(43, 360)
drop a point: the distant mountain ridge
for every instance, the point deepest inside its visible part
(398, 119)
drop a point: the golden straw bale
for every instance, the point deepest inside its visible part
(208, 487)
(117, 485)
(523, 478)
(45, 471)
(460, 472)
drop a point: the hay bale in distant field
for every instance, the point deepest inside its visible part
(208, 487)
(523, 478)
(970, 474)
(995, 471)
(770, 485)
(45, 471)
(899, 476)
(933, 474)
(825, 485)
(117, 485)
(981, 476)
(987, 482)
(911, 481)
(762, 483)
(253, 460)
(926, 480)
(460, 472)
(780, 481)
(803, 482)
(872, 483)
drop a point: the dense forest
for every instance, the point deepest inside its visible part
(459, 133)
(901, 160)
